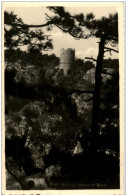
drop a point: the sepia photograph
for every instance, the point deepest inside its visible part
(62, 71)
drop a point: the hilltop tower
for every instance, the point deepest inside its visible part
(67, 58)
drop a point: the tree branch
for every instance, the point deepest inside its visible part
(110, 49)
(34, 26)
(80, 92)
(108, 73)
(54, 23)
(41, 25)
(66, 30)
(91, 59)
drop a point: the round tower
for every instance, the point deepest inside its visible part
(67, 58)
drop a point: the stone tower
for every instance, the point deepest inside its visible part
(67, 58)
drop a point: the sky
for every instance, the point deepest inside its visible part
(83, 47)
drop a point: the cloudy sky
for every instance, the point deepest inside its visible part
(33, 14)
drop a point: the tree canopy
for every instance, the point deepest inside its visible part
(81, 26)
(19, 34)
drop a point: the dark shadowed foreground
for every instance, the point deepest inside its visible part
(48, 139)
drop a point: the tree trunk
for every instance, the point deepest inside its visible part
(96, 96)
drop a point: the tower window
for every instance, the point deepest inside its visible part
(69, 72)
